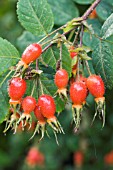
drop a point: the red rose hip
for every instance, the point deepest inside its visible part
(96, 87)
(48, 108)
(31, 53)
(61, 81)
(40, 127)
(61, 78)
(28, 104)
(78, 92)
(17, 88)
(38, 114)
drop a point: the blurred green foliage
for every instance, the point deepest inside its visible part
(10, 28)
(93, 141)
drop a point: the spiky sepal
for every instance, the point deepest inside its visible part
(62, 93)
(56, 127)
(76, 112)
(100, 108)
(14, 103)
(13, 116)
(20, 68)
(40, 128)
(11, 123)
(21, 63)
(25, 119)
(55, 124)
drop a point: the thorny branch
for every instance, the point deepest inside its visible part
(84, 17)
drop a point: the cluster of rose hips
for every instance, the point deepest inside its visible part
(44, 109)
(21, 107)
(79, 90)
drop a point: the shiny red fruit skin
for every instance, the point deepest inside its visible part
(17, 88)
(78, 92)
(28, 104)
(31, 53)
(95, 85)
(47, 106)
(38, 113)
(61, 78)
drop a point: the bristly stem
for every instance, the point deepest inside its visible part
(41, 88)
(32, 92)
(78, 69)
(53, 32)
(76, 37)
(46, 48)
(81, 35)
(90, 9)
(87, 66)
(61, 55)
(84, 17)
(37, 64)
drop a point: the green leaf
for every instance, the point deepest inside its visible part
(104, 10)
(8, 55)
(110, 2)
(60, 104)
(107, 28)
(89, 39)
(35, 16)
(110, 43)
(4, 99)
(3, 106)
(102, 59)
(84, 2)
(26, 39)
(95, 24)
(63, 11)
(49, 88)
(52, 55)
(47, 85)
